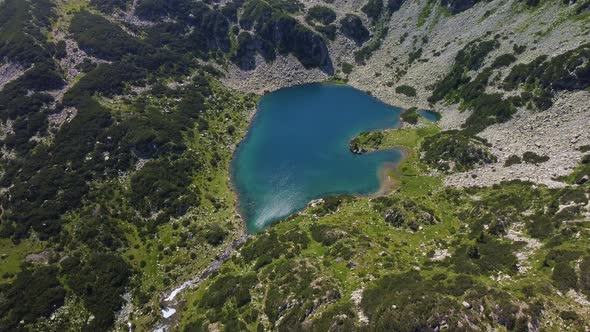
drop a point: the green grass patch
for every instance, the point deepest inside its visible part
(12, 256)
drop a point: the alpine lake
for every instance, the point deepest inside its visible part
(297, 150)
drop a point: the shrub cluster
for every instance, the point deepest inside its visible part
(394, 5)
(102, 38)
(326, 235)
(567, 71)
(229, 288)
(408, 301)
(270, 246)
(456, 86)
(24, 101)
(109, 6)
(35, 293)
(327, 30)
(404, 213)
(533, 158)
(352, 27)
(347, 68)
(22, 26)
(457, 6)
(266, 19)
(455, 151)
(406, 90)
(512, 160)
(162, 185)
(487, 255)
(322, 14)
(373, 9)
(503, 60)
(331, 204)
(411, 116)
(99, 281)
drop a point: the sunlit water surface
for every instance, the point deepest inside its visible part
(296, 150)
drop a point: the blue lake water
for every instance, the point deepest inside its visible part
(296, 150)
(429, 115)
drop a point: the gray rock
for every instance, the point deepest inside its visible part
(466, 305)
(351, 264)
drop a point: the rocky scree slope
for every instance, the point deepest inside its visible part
(417, 43)
(118, 127)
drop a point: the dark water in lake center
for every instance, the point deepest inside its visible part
(296, 150)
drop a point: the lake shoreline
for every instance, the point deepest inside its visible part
(387, 182)
(251, 115)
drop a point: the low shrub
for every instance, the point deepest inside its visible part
(410, 116)
(503, 60)
(454, 151)
(541, 226)
(373, 9)
(325, 234)
(533, 158)
(564, 277)
(332, 203)
(347, 68)
(406, 90)
(404, 213)
(215, 234)
(35, 293)
(352, 27)
(99, 281)
(512, 160)
(226, 288)
(488, 109)
(324, 15)
(163, 185)
(585, 275)
(108, 6)
(328, 30)
(102, 38)
(414, 55)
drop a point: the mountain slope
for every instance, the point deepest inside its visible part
(119, 120)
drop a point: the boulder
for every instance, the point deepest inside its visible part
(466, 305)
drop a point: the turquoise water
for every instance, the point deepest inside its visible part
(430, 115)
(296, 150)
